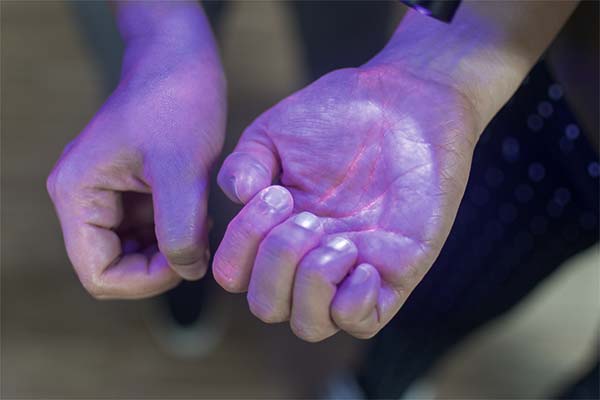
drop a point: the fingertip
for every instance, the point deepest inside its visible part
(310, 222)
(362, 274)
(279, 254)
(356, 298)
(191, 272)
(242, 176)
(277, 198)
(315, 285)
(225, 275)
(366, 335)
(312, 333)
(341, 245)
(227, 183)
(188, 261)
(235, 256)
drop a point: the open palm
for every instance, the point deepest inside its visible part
(381, 158)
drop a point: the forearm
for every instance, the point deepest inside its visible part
(161, 36)
(170, 66)
(484, 53)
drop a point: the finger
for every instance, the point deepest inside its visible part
(88, 218)
(180, 200)
(317, 277)
(399, 274)
(251, 167)
(354, 308)
(270, 289)
(233, 261)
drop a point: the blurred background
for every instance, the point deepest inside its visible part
(57, 342)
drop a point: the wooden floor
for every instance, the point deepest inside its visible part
(57, 342)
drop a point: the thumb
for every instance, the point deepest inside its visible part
(181, 221)
(251, 167)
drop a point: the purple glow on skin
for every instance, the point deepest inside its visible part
(373, 153)
(379, 155)
(157, 134)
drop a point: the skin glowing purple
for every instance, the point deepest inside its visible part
(372, 164)
(381, 154)
(157, 135)
(382, 172)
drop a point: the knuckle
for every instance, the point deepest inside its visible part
(94, 286)
(280, 246)
(60, 183)
(312, 275)
(265, 312)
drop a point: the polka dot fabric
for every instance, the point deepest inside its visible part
(531, 203)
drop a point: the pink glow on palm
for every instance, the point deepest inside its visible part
(375, 154)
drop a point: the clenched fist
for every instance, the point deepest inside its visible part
(131, 190)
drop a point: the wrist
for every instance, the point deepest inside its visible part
(164, 37)
(170, 22)
(459, 56)
(484, 54)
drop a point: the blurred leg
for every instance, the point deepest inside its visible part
(587, 387)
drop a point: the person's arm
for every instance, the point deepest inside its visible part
(485, 52)
(163, 35)
(157, 135)
(378, 157)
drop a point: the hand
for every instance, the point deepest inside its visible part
(373, 162)
(131, 190)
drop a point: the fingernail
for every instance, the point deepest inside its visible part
(307, 220)
(235, 188)
(339, 243)
(360, 274)
(276, 197)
